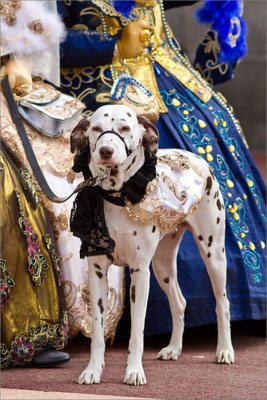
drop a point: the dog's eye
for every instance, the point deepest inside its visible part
(97, 129)
(124, 129)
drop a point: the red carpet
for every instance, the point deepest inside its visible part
(194, 376)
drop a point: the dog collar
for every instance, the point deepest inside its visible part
(128, 152)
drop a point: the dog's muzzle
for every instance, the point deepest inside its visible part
(128, 152)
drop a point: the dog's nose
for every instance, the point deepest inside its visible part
(106, 152)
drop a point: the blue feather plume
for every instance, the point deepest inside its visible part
(124, 7)
(218, 14)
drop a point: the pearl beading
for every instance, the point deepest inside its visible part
(128, 80)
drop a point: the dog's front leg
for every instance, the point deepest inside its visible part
(138, 294)
(98, 290)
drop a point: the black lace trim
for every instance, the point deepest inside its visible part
(87, 220)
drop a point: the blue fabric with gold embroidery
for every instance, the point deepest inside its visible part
(209, 130)
(212, 133)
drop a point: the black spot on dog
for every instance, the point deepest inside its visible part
(154, 229)
(223, 250)
(208, 255)
(113, 183)
(224, 294)
(110, 258)
(106, 115)
(129, 115)
(135, 233)
(216, 194)
(219, 204)
(114, 172)
(210, 241)
(200, 237)
(212, 174)
(102, 322)
(138, 247)
(218, 220)
(97, 266)
(131, 270)
(209, 185)
(100, 305)
(112, 119)
(133, 294)
(129, 352)
(99, 274)
(133, 161)
(137, 270)
(166, 280)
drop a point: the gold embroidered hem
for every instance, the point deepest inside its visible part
(24, 346)
(78, 305)
(171, 197)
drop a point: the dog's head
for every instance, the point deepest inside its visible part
(114, 132)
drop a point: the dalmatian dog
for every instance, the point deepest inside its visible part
(118, 140)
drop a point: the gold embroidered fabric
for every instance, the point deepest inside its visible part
(78, 305)
(28, 305)
(107, 8)
(141, 67)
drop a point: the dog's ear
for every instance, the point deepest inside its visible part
(151, 134)
(77, 137)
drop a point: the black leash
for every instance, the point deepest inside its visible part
(16, 117)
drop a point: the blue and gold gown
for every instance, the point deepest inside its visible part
(193, 116)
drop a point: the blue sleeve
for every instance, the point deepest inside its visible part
(208, 64)
(86, 48)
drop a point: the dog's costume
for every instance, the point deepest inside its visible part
(165, 191)
(193, 116)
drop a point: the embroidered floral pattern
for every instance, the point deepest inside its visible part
(23, 347)
(54, 256)
(6, 284)
(22, 350)
(36, 262)
(29, 184)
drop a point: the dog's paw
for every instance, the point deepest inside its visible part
(135, 376)
(89, 376)
(225, 356)
(169, 353)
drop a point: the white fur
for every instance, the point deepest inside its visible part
(137, 245)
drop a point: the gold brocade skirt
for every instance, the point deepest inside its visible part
(32, 304)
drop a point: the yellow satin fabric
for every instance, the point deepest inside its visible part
(29, 305)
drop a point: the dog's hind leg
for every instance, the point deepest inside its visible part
(98, 291)
(165, 268)
(210, 241)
